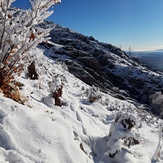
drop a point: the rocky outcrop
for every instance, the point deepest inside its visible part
(104, 65)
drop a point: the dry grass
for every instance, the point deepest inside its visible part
(12, 91)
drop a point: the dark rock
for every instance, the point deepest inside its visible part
(106, 66)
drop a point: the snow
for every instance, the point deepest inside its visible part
(76, 132)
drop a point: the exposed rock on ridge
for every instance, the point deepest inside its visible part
(104, 65)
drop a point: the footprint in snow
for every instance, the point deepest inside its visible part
(78, 117)
(2, 116)
(5, 140)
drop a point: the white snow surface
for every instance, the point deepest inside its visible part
(76, 132)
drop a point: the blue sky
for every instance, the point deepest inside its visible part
(135, 23)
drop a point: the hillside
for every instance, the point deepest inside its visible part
(40, 132)
(104, 65)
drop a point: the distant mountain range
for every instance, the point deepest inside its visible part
(154, 59)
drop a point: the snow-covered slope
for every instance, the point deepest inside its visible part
(76, 132)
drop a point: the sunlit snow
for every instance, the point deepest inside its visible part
(76, 132)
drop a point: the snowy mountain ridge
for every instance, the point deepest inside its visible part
(105, 66)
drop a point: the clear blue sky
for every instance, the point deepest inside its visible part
(135, 23)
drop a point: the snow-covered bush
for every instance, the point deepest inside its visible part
(19, 35)
(93, 94)
(123, 131)
(56, 87)
(157, 103)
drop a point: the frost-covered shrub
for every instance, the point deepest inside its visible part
(20, 34)
(122, 132)
(93, 93)
(157, 103)
(56, 87)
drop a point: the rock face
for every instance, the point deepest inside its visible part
(104, 65)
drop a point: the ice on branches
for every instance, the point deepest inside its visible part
(20, 33)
